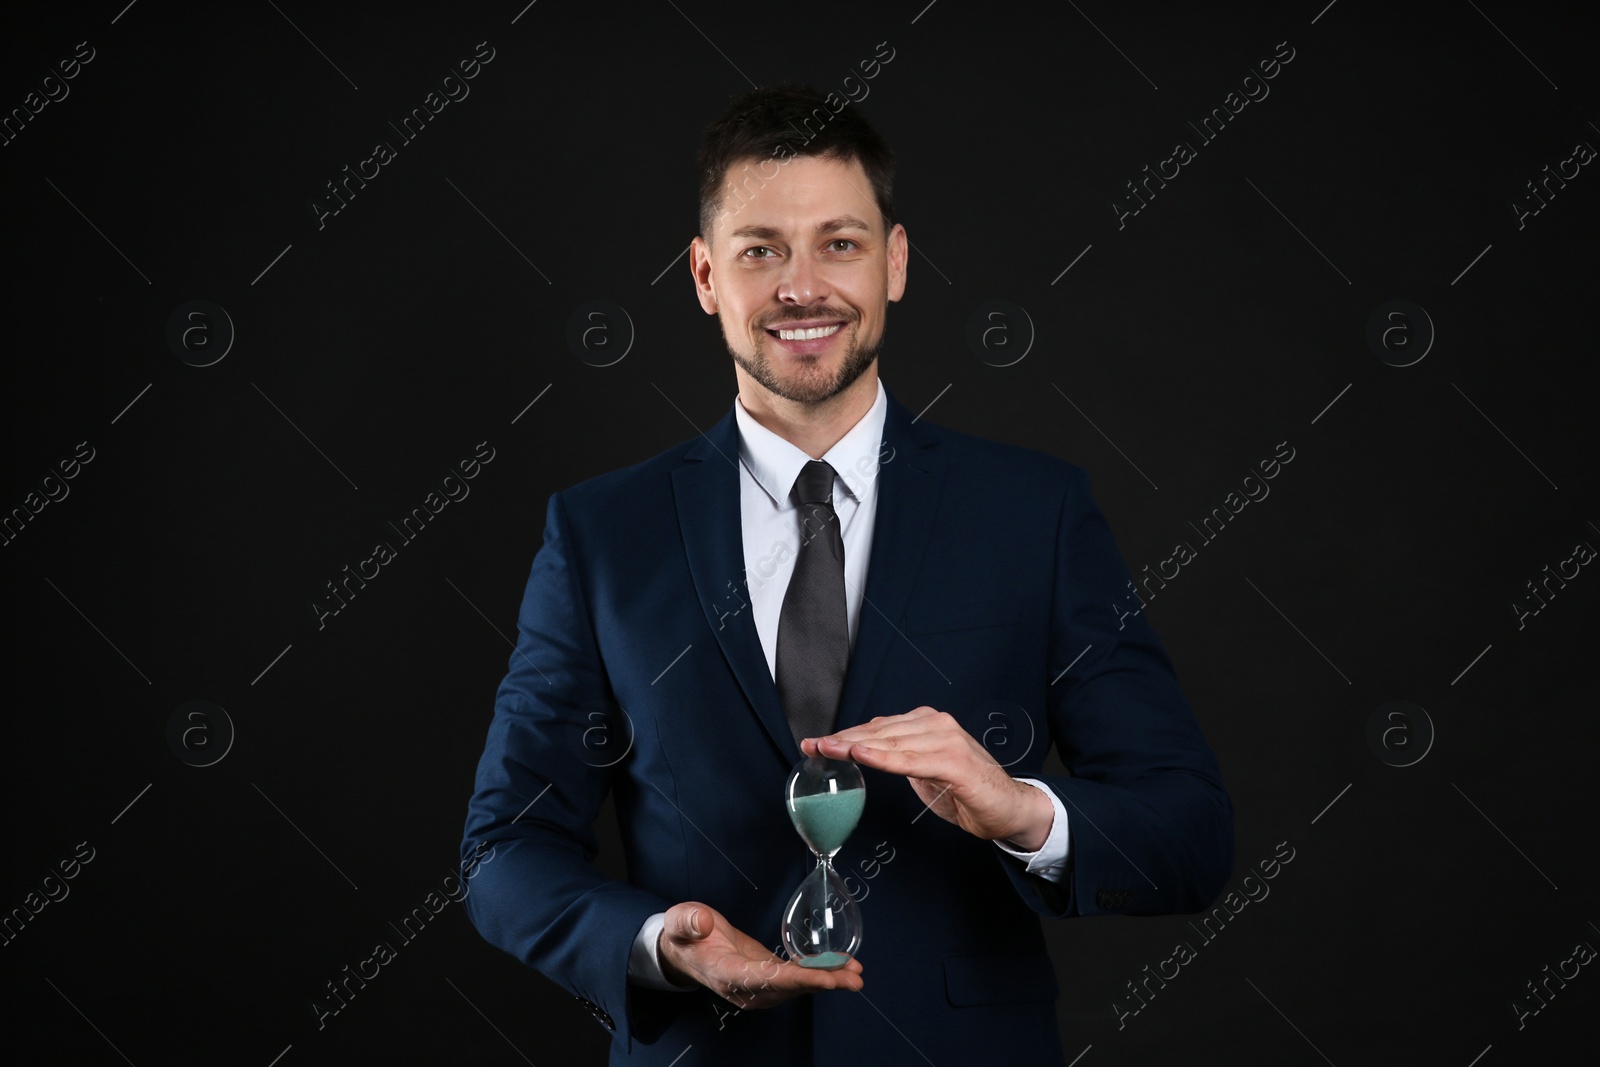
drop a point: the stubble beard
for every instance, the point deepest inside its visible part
(806, 386)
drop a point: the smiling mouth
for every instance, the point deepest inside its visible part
(808, 334)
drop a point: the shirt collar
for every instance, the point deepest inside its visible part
(775, 462)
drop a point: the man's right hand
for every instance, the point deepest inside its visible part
(698, 944)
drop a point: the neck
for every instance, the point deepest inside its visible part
(812, 428)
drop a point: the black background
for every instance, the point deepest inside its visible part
(377, 351)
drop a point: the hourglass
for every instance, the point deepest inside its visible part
(822, 924)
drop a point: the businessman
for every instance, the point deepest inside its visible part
(821, 573)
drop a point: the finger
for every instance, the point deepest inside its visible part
(781, 981)
(909, 739)
(796, 978)
(879, 726)
(911, 762)
(886, 725)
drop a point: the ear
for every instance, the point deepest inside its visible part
(899, 247)
(700, 267)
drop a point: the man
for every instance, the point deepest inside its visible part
(820, 573)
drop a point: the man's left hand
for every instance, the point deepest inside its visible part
(949, 770)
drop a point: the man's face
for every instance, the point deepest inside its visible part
(800, 271)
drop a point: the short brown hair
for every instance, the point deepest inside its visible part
(785, 121)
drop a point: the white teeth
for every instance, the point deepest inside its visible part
(811, 334)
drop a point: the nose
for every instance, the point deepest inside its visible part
(801, 283)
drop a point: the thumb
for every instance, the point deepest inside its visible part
(691, 922)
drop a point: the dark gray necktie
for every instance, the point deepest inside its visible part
(813, 631)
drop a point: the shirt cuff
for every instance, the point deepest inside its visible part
(644, 965)
(1050, 861)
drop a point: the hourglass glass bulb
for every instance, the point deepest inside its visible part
(822, 924)
(825, 798)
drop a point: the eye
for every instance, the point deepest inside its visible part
(850, 245)
(751, 252)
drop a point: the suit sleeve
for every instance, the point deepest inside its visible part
(1152, 825)
(537, 895)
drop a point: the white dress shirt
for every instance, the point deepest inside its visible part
(768, 467)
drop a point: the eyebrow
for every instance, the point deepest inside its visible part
(771, 233)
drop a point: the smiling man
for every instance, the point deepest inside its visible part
(820, 573)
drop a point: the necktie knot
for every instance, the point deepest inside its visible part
(815, 483)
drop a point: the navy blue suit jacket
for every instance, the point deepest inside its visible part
(638, 671)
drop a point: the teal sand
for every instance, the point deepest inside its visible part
(825, 820)
(825, 961)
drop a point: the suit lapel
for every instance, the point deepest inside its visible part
(706, 489)
(910, 479)
(706, 492)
